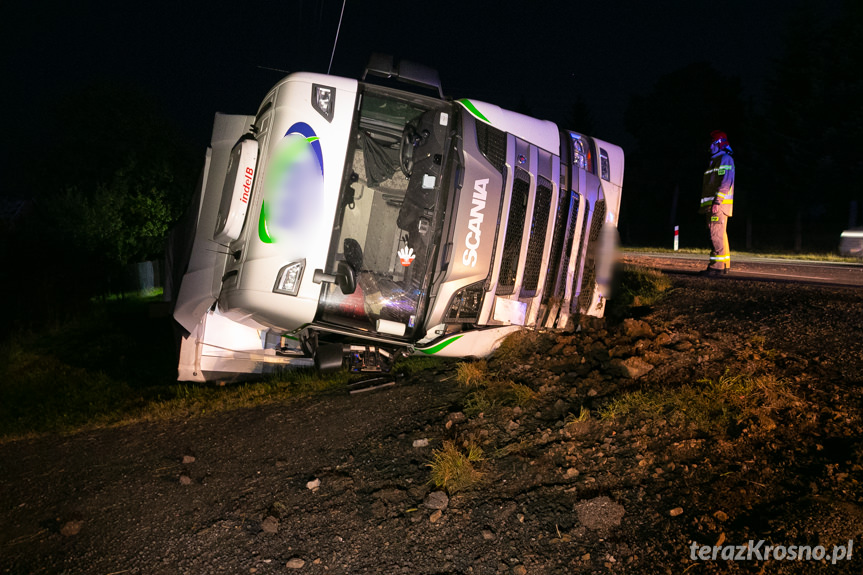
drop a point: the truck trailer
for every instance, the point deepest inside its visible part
(348, 223)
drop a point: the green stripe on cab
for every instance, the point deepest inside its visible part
(440, 346)
(472, 109)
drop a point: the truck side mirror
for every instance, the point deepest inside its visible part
(345, 277)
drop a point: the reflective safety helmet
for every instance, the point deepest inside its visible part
(719, 139)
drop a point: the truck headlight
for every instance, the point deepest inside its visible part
(465, 305)
(324, 100)
(288, 280)
(579, 155)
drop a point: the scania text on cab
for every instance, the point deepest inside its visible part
(349, 222)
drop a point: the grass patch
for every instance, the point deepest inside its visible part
(472, 373)
(650, 404)
(522, 395)
(453, 468)
(711, 405)
(808, 256)
(497, 394)
(514, 347)
(417, 364)
(53, 397)
(477, 403)
(116, 365)
(665, 250)
(813, 256)
(580, 423)
(191, 400)
(572, 419)
(152, 294)
(489, 391)
(636, 286)
(42, 393)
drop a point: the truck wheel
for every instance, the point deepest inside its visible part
(329, 357)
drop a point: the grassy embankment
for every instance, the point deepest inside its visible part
(714, 407)
(457, 467)
(811, 256)
(117, 365)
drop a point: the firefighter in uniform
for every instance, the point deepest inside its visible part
(717, 201)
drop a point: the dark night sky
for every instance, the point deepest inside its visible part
(197, 58)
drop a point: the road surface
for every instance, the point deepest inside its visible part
(756, 268)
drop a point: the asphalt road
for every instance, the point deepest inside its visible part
(756, 268)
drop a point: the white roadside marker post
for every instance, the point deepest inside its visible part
(676, 237)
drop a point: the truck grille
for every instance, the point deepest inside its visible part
(578, 263)
(558, 235)
(588, 281)
(492, 144)
(567, 252)
(514, 231)
(536, 243)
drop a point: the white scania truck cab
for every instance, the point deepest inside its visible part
(348, 223)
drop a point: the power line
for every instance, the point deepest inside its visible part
(273, 69)
(336, 41)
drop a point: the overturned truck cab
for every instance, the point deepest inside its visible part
(348, 223)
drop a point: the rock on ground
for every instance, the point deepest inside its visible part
(599, 513)
(71, 528)
(270, 524)
(636, 328)
(632, 368)
(437, 500)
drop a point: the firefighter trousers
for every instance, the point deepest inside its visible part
(720, 254)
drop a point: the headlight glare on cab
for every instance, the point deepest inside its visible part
(324, 101)
(289, 278)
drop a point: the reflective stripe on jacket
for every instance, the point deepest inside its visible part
(718, 185)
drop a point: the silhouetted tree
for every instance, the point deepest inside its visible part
(110, 180)
(811, 138)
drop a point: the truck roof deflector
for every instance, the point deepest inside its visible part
(383, 65)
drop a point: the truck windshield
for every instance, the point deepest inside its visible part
(387, 224)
